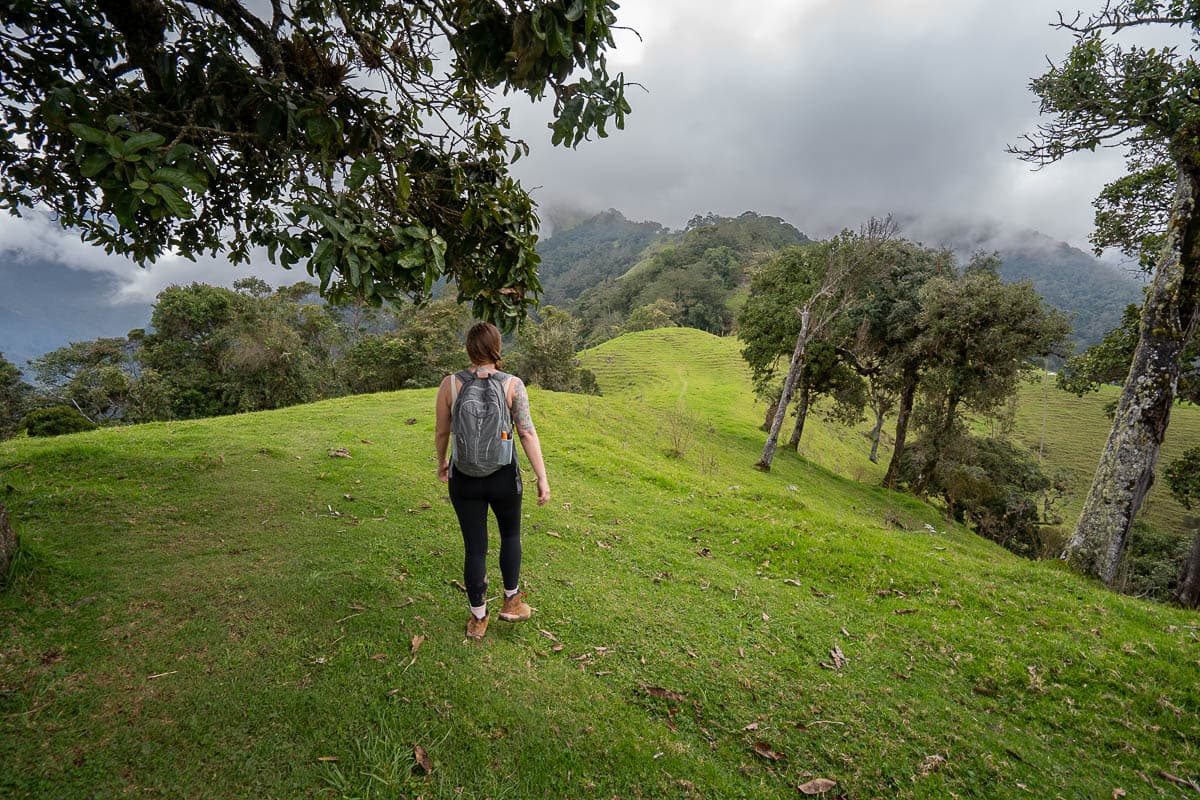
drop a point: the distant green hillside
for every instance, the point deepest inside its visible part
(223, 609)
(1093, 292)
(600, 247)
(697, 272)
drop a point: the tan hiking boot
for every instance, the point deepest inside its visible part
(476, 627)
(515, 608)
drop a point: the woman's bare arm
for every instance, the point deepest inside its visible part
(529, 439)
(442, 430)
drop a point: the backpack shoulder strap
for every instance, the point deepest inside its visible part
(466, 376)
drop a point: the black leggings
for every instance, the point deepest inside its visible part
(471, 497)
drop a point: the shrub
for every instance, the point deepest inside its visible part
(996, 487)
(55, 421)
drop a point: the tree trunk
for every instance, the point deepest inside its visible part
(1187, 594)
(801, 415)
(8, 546)
(875, 434)
(1126, 468)
(789, 387)
(939, 441)
(908, 391)
(770, 415)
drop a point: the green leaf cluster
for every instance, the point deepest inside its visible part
(359, 139)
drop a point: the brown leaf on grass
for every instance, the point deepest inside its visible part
(557, 646)
(548, 634)
(424, 765)
(555, 534)
(763, 749)
(458, 585)
(339, 452)
(818, 786)
(986, 691)
(817, 592)
(1178, 781)
(792, 581)
(765, 617)
(366, 441)
(327, 758)
(425, 505)
(410, 421)
(416, 642)
(931, 764)
(665, 694)
(704, 552)
(753, 726)
(1118, 794)
(379, 657)
(837, 659)
(905, 611)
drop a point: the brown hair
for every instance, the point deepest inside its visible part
(483, 344)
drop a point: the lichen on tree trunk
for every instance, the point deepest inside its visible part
(1126, 469)
(8, 545)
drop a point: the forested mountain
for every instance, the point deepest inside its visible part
(1092, 292)
(690, 276)
(582, 263)
(45, 305)
(602, 246)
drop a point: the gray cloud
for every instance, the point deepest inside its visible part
(826, 112)
(819, 111)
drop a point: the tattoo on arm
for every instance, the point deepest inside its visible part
(520, 409)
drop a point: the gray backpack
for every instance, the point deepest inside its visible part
(481, 425)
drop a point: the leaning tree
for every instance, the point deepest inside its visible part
(1110, 92)
(360, 138)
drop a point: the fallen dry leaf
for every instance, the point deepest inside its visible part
(818, 786)
(458, 585)
(557, 646)
(422, 757)
(763, 749)
(1118, 794)
(555, 534)
(379, 657)
(366, 441)
(905, 611)
(339, 452)
(931, 764)
(792, 581)
(765, 617)
(666, 694)
(410, 421)
(753, 726)
(818, 593)
(327, 758)
(416, 643)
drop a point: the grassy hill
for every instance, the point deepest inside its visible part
(221, 609)
(1076, 430)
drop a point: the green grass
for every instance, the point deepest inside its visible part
(208, 609)
(1076, 431)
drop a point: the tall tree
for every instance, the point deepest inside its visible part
(886, 325)
(1109, 93)
(831, 277)
(14, 396)
(980, 337)
(357, 137)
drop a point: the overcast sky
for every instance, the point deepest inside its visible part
(818, 111)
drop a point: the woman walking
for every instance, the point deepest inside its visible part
(488, 404)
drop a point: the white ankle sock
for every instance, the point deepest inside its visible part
(511, 592)
(479, 611)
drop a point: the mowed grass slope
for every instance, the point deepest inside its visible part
(1076, 429)
(222, 609)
